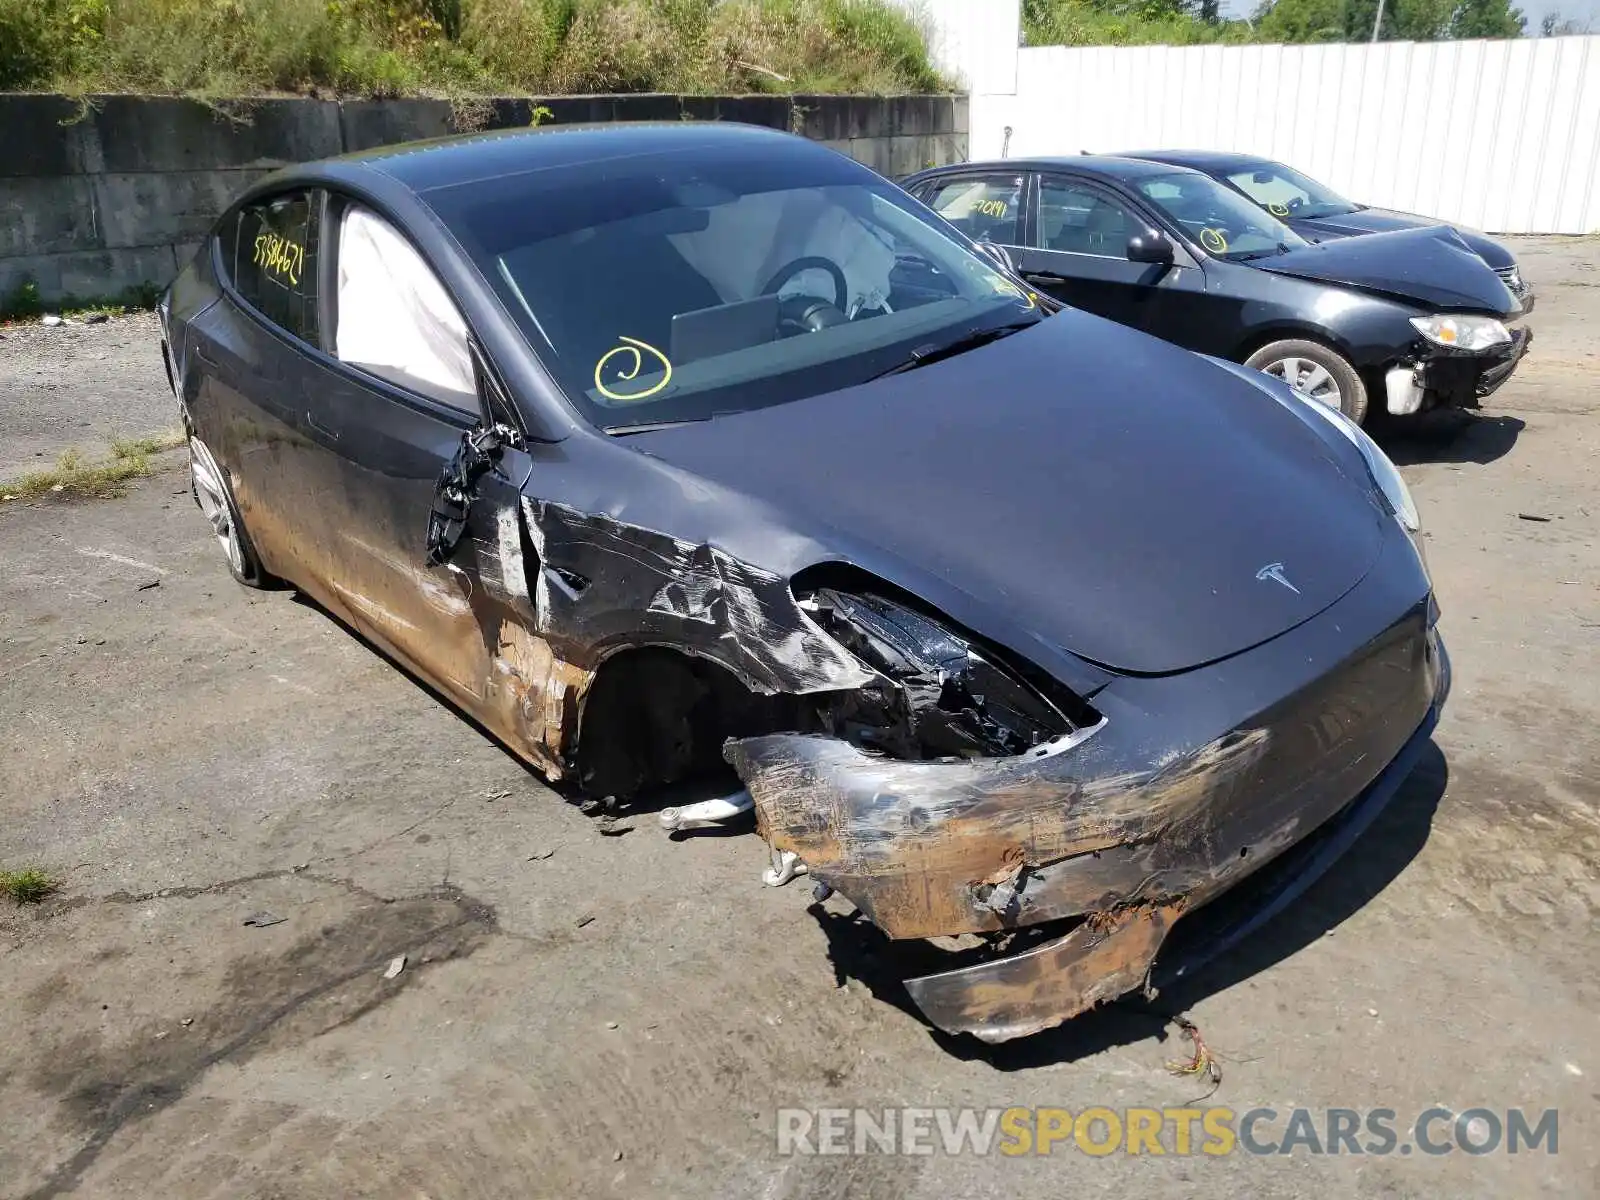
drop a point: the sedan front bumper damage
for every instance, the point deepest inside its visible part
(1076, 844)
(1459, 379)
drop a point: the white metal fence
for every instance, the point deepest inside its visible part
(1500, 135)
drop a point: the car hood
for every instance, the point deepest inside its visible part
(1385, 220)
(1431, 267)
(1079, 483)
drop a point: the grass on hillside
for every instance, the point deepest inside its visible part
(218, 48)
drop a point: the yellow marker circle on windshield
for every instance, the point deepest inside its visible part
(1214, 240)
(1278, 210)
(638, 350)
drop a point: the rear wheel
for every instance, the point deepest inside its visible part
(215, 498)
(1316, 372)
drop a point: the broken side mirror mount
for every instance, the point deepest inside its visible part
(477, 453)
(1151, 246)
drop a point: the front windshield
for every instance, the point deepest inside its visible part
(664, 288)
(1284, 192)
(1222, 221)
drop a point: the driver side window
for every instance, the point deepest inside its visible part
(394, 318)
(1077, 219)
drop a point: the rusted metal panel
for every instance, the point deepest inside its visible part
(921, 848)
(1012, 997)
(934, 848)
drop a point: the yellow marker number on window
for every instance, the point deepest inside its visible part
(1214, 240)
(279, 256)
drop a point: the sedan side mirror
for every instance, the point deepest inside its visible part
(1151, 246)
(1000, 255)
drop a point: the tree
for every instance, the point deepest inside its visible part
(1403, 20)
(1486, 19)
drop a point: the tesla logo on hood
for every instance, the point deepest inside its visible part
(1274, 572)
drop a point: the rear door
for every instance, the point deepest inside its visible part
(987, 206)
(249, 408)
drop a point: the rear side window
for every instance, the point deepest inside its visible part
(274, 256)
(987, 208)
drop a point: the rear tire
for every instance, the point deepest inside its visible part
(1316, 372)
(209, 485)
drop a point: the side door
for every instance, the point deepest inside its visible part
(1079, 252)
(248, 408)
(395, 402)
(987, 206)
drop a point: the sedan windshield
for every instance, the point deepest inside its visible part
(1284, 192)
(666, 288)
(1222, 221)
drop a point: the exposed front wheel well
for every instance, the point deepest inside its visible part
(655, 716)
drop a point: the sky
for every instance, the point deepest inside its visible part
(1534, 10)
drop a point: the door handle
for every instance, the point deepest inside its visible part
(1044, 277)
(320, 428)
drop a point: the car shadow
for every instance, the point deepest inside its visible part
(858, 950)
(1448, 435)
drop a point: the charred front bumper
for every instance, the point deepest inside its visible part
(1101, 841)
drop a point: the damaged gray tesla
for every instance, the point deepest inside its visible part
(665, 451)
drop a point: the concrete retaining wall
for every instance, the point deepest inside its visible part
(99, 199)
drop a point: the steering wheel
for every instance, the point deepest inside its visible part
(841, 286)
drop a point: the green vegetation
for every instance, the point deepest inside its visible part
(219, 48)
(1189, 22)
(28, 886)
(148, 444)
(74, 476)
(22, 303)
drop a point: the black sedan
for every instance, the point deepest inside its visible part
(1317, 213)
(702, 452)
(1406, 320)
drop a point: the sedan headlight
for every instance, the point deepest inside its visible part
(1462, 333)
(1384, 473)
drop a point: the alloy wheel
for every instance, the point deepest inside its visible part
(1308, 377)
(212, 494)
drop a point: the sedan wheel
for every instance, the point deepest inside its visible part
(1317, 372)
(211, 493)
(1310, 379)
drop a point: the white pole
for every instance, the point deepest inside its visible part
(1377, 21)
